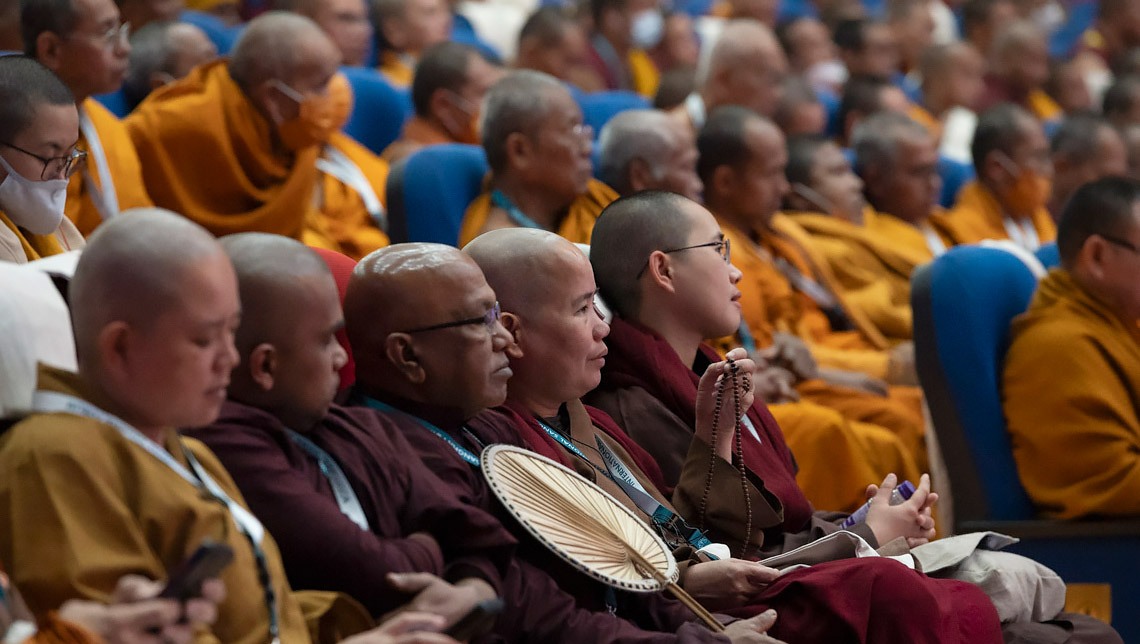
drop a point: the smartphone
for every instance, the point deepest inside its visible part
(478, 621)
(208, 560)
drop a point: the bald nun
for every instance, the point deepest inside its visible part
(100, 469)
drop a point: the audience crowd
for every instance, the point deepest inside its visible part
(684, 273)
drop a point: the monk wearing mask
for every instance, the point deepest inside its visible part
(253, 144)
(539, 152)
(39, 127)
(1015, 178)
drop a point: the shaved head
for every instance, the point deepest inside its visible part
(132, 270)
(276, 45)
(154, 304)
(747, 67)
(415, 316)
(522, 263)
(287, 338)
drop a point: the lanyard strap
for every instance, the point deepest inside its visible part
(345, 496)
(565, 442)
(337, 165)
(519, 217)
(1022, 233)
(60, 403)
(933, 241)
(463, 452)
(103, 195)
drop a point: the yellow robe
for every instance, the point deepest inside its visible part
(122, 162)
(577, 224)
(1043, 106)
(396, 69)
(19, 246)
(770, 304)
(643, 73)
(977, 215)
(81, 506)
(1071, 394)
(209, 154)
(920, 115)
(872, 264)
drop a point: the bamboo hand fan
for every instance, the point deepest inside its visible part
(584, 525)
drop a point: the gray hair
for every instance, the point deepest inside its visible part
(876, 139)
(634, 134)
(517, 103)
(151, 53)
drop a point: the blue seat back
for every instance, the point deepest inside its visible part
(222, 35)
(1049, 255)
(599, 107)
(429, 191)
(379, 109)
(963, 304)
(955, 174)
(115, 102)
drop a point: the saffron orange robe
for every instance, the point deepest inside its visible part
(576, 225)
(923, 117)
(770, 304)
(417, 133)
(396, 69)
(210, 155)
(872, 264)
(81, 506)
(643, 73)
(122, 164)
(20, 246)
(977, 215)
(1071, 395)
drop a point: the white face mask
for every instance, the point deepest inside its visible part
(647, 29)
(35, 206)
(828, 75)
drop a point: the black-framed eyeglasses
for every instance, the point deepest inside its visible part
(54, 166)
(1123, 243)
(723, 246)
(488, 320)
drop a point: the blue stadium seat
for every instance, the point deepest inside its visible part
(429, 191)
(1049, 255)
(115, 102)
(955, 174)
(380, 109)
(963, 304)
(599, 107)
(222, 35)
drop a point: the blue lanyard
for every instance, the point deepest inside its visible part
(502, 201)
(463, 452)
(562, 440)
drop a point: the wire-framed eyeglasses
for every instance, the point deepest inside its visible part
(63, 166)
(723, 246)
(488, 319)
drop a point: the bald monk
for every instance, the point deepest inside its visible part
(85, 44)
(826, 199)
(161, 53)
(447, 92)
(252, 143)
(278, 431)
(405, 29)
(648, 150)
(345, 22)
(545, 286)
(1090, 419)
(1019, 70)
(898, 162)
(539, 152)
(39, 126)
(789, 295)
(154, 305)
(553, 41)
(746, 67)
(1084, 148)
(431, 383)
(1014, 181)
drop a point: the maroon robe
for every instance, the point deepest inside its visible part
(651, 393)
(867, 600)
(321, 547)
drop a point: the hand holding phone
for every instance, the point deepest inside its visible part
(185, 582)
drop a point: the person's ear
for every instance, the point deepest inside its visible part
(640, 175)
(723, 180)
(440, 106)
(114, 346)
(513, 324)
(262, 366)
(519, 150)
(1092, 257)
(400, 350)
(660, 270)
(994, 170)
(267, 98)
(49, 50)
